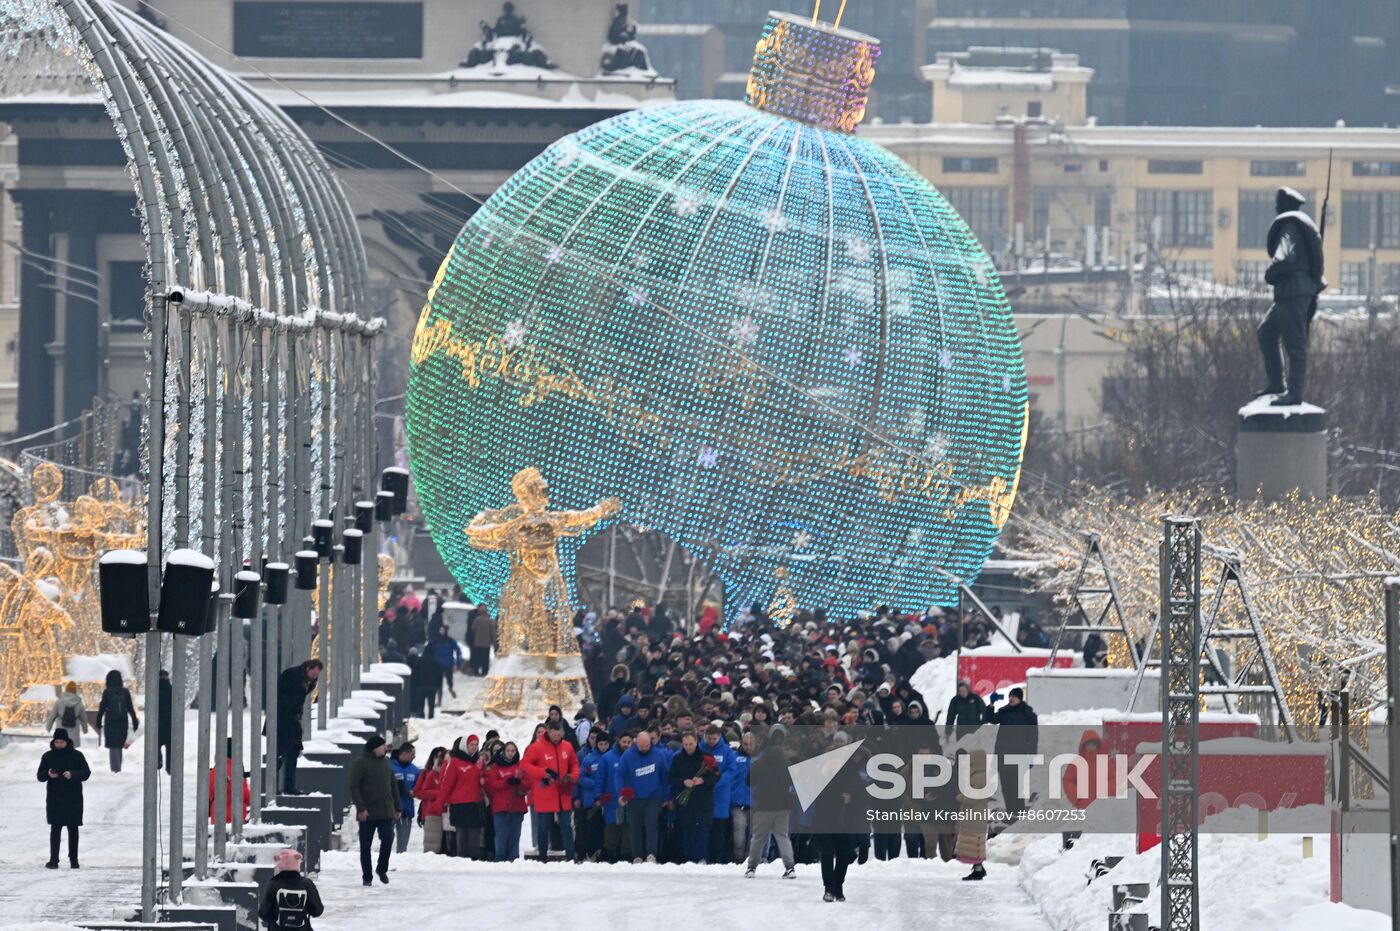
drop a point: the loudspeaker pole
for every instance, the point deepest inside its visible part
(257, 535)
(178, 663)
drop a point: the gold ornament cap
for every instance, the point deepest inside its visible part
(812, 72)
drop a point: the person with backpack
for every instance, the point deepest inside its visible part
(290, 899)
(68, 713)
(64, 769)
(113, 712)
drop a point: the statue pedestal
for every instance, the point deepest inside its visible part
(1280, 450)
(524, 685)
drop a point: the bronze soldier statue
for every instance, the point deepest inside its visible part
(1295, 272)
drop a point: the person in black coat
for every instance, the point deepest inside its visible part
(294, 686)
(693, 778)
(1017, 735)
(839, 814)
(115, 709)
(424, 682)
(290, 899)
(64, 769)
(966, 710)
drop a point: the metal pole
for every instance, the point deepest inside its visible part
(257, 535)
(331, 690)
(1392, 693)
(209, 531)
(235, 547)
(221, 694)
(179, 650)
(277, 507)
(205, 659)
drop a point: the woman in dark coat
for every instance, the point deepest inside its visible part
(65, 769)
(113, 712)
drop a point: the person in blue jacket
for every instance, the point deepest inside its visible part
(740, 797)
(592, 774)
(644, 777)
(448, 653)
(626, 718)
(617, 842)
(406, 775)
(719, 841)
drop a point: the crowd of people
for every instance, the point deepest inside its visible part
(683, 755)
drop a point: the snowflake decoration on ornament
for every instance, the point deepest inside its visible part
(945, 358)
(936, 447)
(568, 153)
(774, 221)
(744, 331)
(554, 256)
(637, 297)
(686, 205)
(514, 334)
(853, 357)
(801, 540)
(640, 260)
(858, 250)
(1005, 382)
(708, 458)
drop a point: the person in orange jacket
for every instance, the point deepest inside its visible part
(462, 797)
(228, 797)
(1082, 793)
(552, 768)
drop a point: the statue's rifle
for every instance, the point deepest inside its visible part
(1326, 199)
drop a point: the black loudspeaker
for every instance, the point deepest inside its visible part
(184, 594)
(211, 619)
(322, 537)
(247, 587)
(278, 577)
(123, 585)
(364, 516)
(395, 480)
(352, 544)
(384, 506)
(307, 561)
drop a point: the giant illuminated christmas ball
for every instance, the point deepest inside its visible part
(774, 341)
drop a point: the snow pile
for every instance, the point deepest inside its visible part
(95, 668)
(936, 680)
(1246, 884)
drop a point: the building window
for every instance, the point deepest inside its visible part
(1370, 218)
(1073, 168)
(1185, 272)
(126, 293)
(986, 166)
(983, 209)
(1040, 215)
(1174, 218)
(1164, 166)
(1033, 109)
(1274, 168)
(1103, 164)
(1255, 215)
(1103, 209)
(1375, 169)
(1251, 274)
(1356, 278)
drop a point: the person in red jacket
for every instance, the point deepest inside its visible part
(1081, 793)
(461, 795)
(508, 787)
(552, 767)
(228, 796)
(427, 790)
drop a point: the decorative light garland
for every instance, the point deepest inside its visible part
(718, 311)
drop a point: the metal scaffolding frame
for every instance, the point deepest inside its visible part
(1181, 699)
(1079, 611)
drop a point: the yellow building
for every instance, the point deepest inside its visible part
(1045, 188)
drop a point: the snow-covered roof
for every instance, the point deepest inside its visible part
(1001, 78)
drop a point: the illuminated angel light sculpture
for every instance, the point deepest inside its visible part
(774, 339)
(538, 662)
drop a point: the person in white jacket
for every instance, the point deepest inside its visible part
(68, 713)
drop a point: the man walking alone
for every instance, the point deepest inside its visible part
(375, 794)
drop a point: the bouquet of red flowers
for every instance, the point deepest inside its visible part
(707, 765)
(605, 798)
(627, 794)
